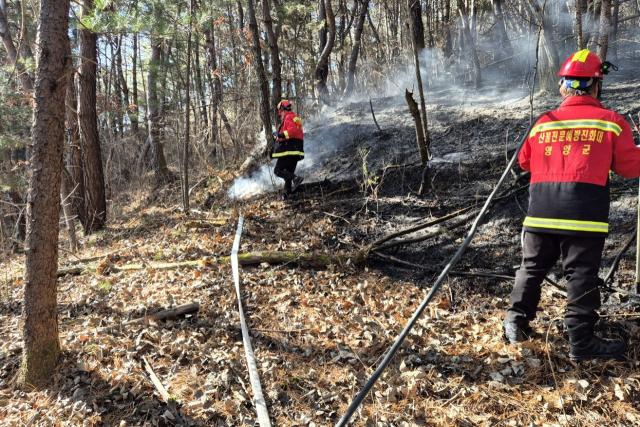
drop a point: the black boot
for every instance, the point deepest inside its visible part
(296, 183)
(515, 333)
(585, 345)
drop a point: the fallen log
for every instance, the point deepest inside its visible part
(313, 259)
(171, 313)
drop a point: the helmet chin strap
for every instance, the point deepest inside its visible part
(599, 95)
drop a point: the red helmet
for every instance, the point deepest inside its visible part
(283, 105)
(582, 64)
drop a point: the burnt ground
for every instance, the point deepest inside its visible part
(319, 333)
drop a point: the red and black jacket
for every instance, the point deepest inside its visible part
(569, 153)
(290, 140)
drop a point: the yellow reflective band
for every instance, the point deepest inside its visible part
(288, 153)
(573, 124)
(286, 134)
(567, 224)
(581, 56)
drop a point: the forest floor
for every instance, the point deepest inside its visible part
(319, 333)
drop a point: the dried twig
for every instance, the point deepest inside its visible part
(374, 116)
(168, 399)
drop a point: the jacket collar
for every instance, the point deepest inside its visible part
(580, 100)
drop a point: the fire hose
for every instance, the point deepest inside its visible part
(436, 286)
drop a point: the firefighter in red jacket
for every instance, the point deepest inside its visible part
(289, 148)
(569, 153)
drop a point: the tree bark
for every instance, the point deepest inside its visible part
(74, 153)
(12, 53)
(447, 48)
(424, 142)
(124, 87)
(322, 32)
(265, 109)
(216, 89)
(549, 61)
(322, 68)
(355, 50)
(471, 45)
(187, 121)
(614, 29)
(200, 86)
(276, 65)
(501, 28)
(40, 328)
(135, 110)
(605, 29)
(415, 113)
(579, 33)
(417, 27)
(95, 200)
(16, 198)
(161, 171)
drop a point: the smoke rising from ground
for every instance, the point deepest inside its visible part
(446, 81)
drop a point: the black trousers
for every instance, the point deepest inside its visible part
(285, 168)
(581, 257)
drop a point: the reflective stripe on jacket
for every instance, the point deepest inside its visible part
(569, 153)
(293, 142)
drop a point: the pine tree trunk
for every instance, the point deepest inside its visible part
(187, 122)
(16, 198)
(199, 86)
(447, 47)
(161, 171)
(124, 87)
(423, 142)
(501, 28)
(355, 50)
(322, 68)
(417, 27)
(471, 45)
(549, 62)
(605, 29)
(95, 200)
(216, 89)
(579, 33)
(262, 77)
(12, 53)
(614, 29)
(135, 112)
(41, 349)
(322, 32)
(74, 153)
(276, 65)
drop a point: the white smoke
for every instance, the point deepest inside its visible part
(259, 182)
